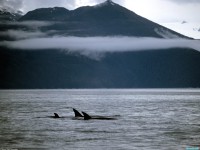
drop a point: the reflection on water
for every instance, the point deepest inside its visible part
(146, 119)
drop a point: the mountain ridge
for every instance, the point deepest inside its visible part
(64, 68)
(105, 19)
(45, 14)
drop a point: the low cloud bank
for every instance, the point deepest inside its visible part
(101, 44)
(30, 24)
(33, 24)
(20, 34)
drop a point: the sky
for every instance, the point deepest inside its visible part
(169, 13)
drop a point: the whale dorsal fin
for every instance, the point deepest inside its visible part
(77, 114)
(86, 116)
(56, 115)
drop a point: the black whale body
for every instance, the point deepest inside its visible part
(86, 116)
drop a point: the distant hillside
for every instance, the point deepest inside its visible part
(53, 67)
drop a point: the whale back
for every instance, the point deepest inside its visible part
(86, 116)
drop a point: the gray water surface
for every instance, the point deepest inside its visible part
(167, 119)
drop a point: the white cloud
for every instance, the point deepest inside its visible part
(86, 45)
(11, 5)
(20, 34)
(32, 24)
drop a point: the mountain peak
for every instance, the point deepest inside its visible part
(107, 2)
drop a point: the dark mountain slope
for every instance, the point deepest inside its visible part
(46, 14)
(55, 69)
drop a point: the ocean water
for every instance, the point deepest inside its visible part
(146, 119)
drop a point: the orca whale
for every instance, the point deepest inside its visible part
(56, 115)
(88, 117)
(76, 113)
(85, 116)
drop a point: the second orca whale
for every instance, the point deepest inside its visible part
(55, 116)
(85, 116)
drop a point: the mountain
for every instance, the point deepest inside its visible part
(105, 19)
(46, 14)
(60, 68)
(5, 15)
